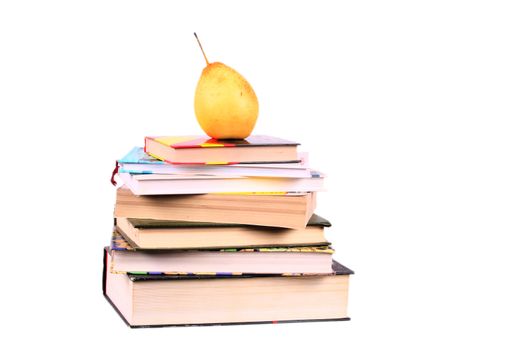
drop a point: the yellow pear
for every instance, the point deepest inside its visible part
(226, 106)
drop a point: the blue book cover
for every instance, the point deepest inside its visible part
(138, 156)
(139, 162)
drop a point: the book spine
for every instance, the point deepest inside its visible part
(104, 271)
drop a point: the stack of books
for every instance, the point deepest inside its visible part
(221, 232)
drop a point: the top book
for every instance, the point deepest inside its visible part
(203, 150)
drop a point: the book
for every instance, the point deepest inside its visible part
(203, 150)
(266, 260)
(166, 234)
(136, 161)
(161, 184)
(288, 210)
(152, 300)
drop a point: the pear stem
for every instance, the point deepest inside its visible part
(207, 63)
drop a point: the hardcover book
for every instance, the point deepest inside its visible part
(151, 300)
(203, 150)
(166, 234)
(264, 260)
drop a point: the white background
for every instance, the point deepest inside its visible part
(414, 109)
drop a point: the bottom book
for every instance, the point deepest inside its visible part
(148, 300)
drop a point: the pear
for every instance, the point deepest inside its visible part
(225, 104)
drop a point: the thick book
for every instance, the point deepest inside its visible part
(265, 260)
(152, 300)
(162, 184)
(166, 234)
(203, 150)
(136, 161)
(288, 210)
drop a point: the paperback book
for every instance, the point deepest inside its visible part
(139, 162)
(264, 260)
(288, 210)
(161, 184)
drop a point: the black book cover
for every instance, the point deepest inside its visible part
(315, 220)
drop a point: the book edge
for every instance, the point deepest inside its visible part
(240, 323)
